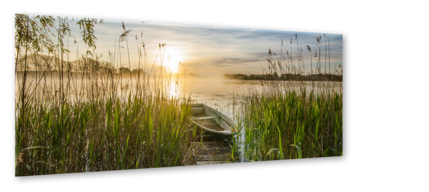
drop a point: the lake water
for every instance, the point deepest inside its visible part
(219, 93)
(223, 94)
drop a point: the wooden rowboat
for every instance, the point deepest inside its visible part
(212, 120)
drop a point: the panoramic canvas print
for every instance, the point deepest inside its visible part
(95, 94)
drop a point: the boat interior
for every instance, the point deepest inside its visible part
(210, 118)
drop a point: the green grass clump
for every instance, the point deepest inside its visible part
(292, 125)
(290, 120)
(85, 115)
(102, 134)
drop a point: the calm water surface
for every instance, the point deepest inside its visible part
(218, 93)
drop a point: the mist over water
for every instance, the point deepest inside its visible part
(225, 95)
(219, 93)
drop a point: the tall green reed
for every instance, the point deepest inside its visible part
(292, 120)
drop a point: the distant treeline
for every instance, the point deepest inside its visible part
(121, 70)
(77, 74)
(285, 77)
(193, 75)
(47, 63)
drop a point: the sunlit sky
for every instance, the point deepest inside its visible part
(205, 50)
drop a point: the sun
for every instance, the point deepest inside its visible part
(173, 59)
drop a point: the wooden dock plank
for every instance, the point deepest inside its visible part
(211, 162)
(212, 144)
(215, 152)
(207, 152)
(219, 157)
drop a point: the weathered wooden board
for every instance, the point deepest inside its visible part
(213, 162)
(213, 144)
(215, 152)
(221, 157)
(209, 151)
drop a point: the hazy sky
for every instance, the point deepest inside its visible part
(205, 50)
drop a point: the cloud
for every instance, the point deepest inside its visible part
(227, 62)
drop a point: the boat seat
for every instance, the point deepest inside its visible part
(206, 118)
